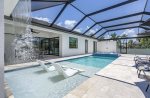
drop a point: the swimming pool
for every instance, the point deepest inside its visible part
(99, 61)
(34, 82)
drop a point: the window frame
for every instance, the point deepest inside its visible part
(75, 45)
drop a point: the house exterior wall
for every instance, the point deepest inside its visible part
(10, 37)
(107, 46)
(1, 49)
(64, 42)
(48, 33)
(66, 51)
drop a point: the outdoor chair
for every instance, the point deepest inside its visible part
(143, 67)
(45, 67)
(65, 71)
(142, 59)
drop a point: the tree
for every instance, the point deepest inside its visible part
(130, 44)
(145, 42)
(124, 36)
(113, 35)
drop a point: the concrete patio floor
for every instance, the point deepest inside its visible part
(117, 80)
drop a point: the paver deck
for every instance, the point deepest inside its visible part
(117, 80)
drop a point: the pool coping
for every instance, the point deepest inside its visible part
(21, 66)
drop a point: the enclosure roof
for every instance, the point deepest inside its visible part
(92, 18)
(146, 23)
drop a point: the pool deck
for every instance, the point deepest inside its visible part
(117, 80)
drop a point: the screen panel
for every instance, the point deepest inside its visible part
(120, 21)
(84, 25)
(35, 5)
(134, 7)
(124, 26)
(47, 14)
(93, 30)
(141, 30)
(147, 9)
(99, 33)
(90, 6)
(145, 17)
(121, 33)
(69, 18)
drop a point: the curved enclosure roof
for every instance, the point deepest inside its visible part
(100, 19)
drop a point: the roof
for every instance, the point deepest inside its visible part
(94, 18)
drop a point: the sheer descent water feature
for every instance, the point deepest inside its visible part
(22, 44)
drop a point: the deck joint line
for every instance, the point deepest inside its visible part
(116, 80)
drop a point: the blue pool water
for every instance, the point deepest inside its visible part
(99, 61)
(50, 84)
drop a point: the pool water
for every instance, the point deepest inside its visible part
(35, 82)
(94, 61)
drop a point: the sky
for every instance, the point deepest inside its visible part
(70, 17)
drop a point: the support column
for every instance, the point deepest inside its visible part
(1, 48)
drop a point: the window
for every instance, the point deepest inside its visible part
(73, 42)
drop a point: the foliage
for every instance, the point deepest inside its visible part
(145, 42)
(130, 43)
(113, 35)
(139, 43)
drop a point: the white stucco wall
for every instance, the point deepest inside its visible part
(64, 42)
(107, 46)
(1, 49)
(66, 51)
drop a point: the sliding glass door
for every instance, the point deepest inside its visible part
(54, 46)
(50, 46)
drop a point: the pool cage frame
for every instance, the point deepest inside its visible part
(142, 24)
(69, 2)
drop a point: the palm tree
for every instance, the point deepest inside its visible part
(113, 35)
(130, 43)
(124, 36)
